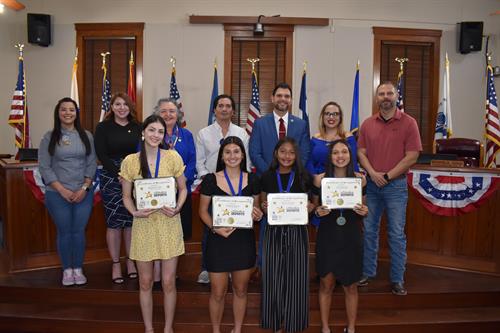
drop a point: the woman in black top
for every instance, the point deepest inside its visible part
(116, 137)
(229, 250)
(339, 244)
(285, 255)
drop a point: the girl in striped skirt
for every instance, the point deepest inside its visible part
(285, 257)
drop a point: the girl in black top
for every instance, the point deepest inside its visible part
(339, 244)
(285, 255)
(229, 250)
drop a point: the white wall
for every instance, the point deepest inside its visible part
(331, 55)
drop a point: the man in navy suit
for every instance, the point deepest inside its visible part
(270, 128)
(266, 133)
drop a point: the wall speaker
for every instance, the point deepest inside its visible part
(470, 36)
(39, 31)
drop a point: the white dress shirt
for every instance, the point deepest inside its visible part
(277, 123)
(208, 143)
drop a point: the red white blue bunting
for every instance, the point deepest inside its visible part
(452, 193)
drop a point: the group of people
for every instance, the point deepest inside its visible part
(285, 160)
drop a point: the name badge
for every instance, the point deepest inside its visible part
(153, 193)
(287, 209)
(341, 192)
(235, 211)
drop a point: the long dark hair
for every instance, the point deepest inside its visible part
(142, 153)
(330, 168)
(301, 173)
(231, 140)
(132, 117)
(55, 137)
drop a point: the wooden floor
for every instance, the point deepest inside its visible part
(438, 300)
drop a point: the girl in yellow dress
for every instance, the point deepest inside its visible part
(156, 233)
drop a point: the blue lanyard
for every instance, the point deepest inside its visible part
(171, 140)
(231, 185)
(157, 165)
(290, 181)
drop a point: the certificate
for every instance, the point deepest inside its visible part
(287, 208)
(233, 212)
(155, 193)
(341, 192)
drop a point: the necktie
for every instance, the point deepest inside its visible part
(282, 129)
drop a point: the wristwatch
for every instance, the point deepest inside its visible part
(85, 188)
(386, 177)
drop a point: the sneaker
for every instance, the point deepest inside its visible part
(399, 289)
(364, 281)
(68, 279)
(204, 277)
(79, 277)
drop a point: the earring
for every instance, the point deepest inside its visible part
(142, 137)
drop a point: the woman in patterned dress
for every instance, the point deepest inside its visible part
(156, 233)
(116, 137)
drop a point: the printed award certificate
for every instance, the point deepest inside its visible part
(155, 193)
(341, 192)
(287, 208)
(233, 212)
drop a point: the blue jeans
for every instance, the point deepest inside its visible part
(392, 198)
(70, 220)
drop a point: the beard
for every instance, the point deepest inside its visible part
(281, 107)
(387, 104)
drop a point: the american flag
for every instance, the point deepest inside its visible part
(492, 123)
(174, 94)
(106, 93)
(254, 108)
(401, 91)
(18, 116)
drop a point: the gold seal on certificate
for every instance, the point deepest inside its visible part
(235, 212)
(152, 193)
(287, 208)
(341, 192)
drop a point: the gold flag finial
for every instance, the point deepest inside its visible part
(304, 65)
(215, 62)
(253, 61)
(173, 61)
(357, 65)
(21, 48)
(401, 62)
(103, 55)
(76, 54)
(131, 61)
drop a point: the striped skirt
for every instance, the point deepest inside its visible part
(117, 216)
(285, 278)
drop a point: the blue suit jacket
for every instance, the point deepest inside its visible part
(264, 138)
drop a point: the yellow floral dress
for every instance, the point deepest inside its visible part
(157, 236)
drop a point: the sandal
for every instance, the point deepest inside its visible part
(119, 279)
(131, 275)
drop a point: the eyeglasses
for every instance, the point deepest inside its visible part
(331, 114)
